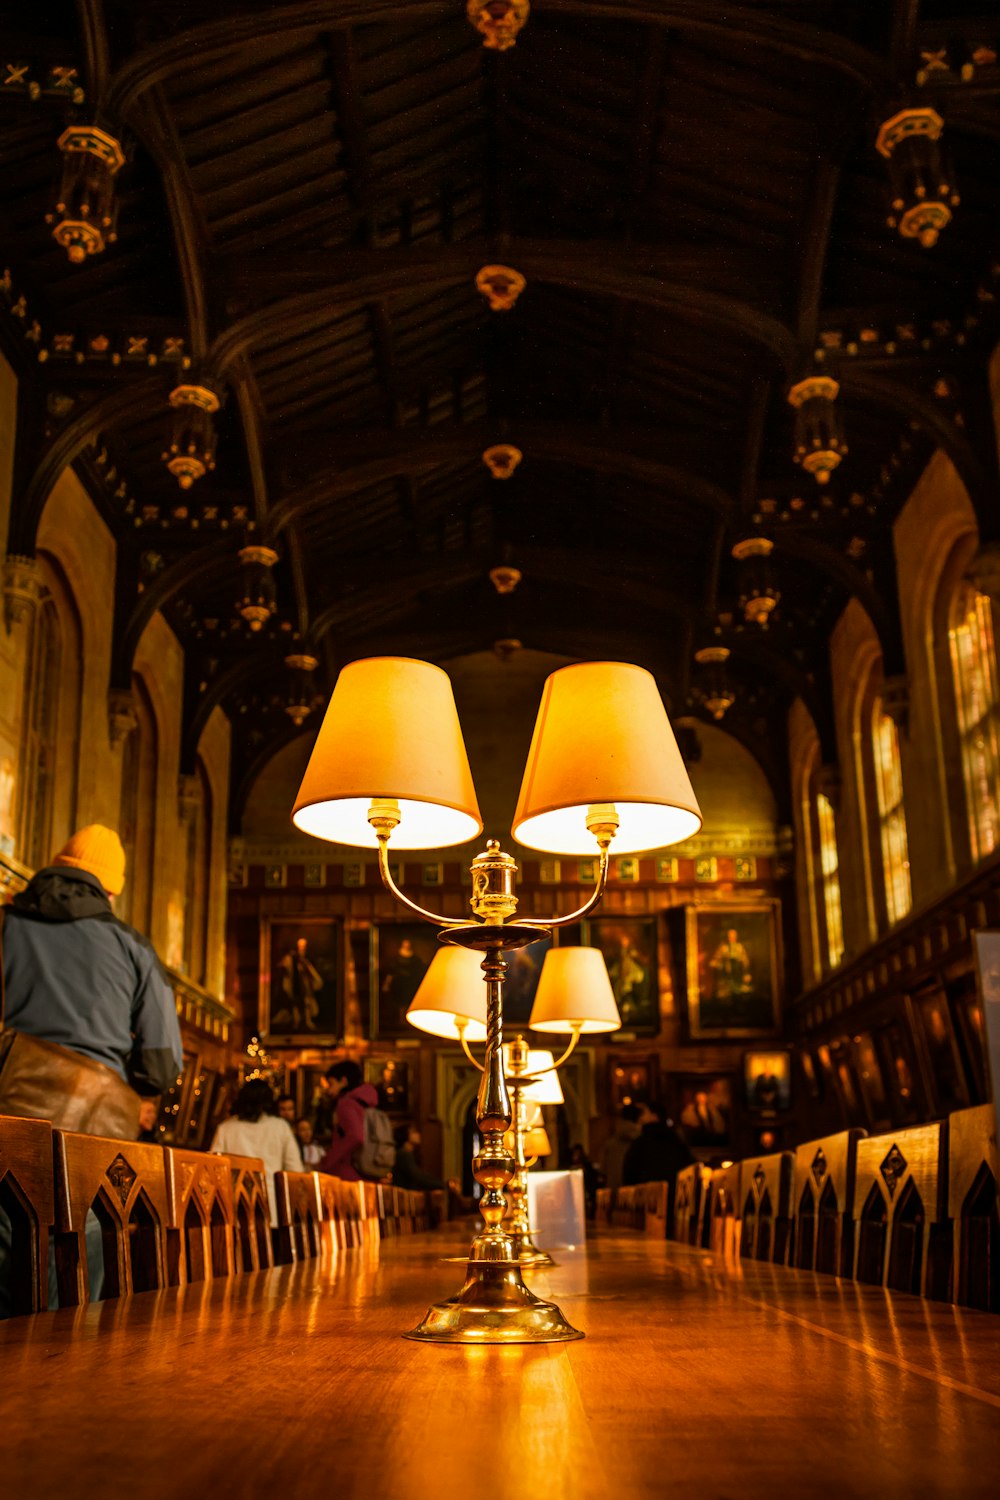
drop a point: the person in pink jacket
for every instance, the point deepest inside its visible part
(345, 1084)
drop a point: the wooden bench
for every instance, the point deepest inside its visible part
(605, 1205)
(902, 1234)
(300, 1215)
(687, 1195)
(124, 1182)
(26, 1196)
(252, 1246)
(202, 1220)
(766, 1184)
(724, 1204)
(656, 1209)
(973, 1178)
(823, 1204)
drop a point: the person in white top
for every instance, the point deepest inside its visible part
(255, 1130)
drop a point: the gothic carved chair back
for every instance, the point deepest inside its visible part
(124, 1182)
(823, 1203)
(26, 1196)
(300, 1215)
(973, 1180)
(902, 1233)
(766, 1184)
(252, 1214)
(201, 1216)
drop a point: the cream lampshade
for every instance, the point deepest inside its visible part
(574, 993)
(602, 736)
(391, 731)
(450, 992)
(547, 1089)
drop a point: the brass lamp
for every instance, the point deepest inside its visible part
(390, 762)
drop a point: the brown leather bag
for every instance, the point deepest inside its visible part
(43, 1081)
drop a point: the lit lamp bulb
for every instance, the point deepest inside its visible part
(604, 764)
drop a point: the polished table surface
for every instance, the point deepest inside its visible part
(693, 1380)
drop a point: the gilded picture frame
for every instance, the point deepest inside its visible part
(301, 979)
(733, 969)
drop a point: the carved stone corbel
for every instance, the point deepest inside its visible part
(122, 717)
(22, 589)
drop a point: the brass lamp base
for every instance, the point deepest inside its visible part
(527, 1252)
(494, 1307)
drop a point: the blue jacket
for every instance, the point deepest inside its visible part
(76, 975)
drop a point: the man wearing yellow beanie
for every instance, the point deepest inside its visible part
(75, 974)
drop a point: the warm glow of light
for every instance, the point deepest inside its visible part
(574, 993)
(391, 731)
(547, 1089)
(452, 991)
(602, 736)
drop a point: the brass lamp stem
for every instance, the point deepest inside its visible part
(588, 905)
(383, 835)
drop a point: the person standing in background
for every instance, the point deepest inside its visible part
(613, 1158)
(255, 1130)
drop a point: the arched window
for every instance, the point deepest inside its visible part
(138, 810)
(829, 879)
(198, 881)
(977, 702)
(41, 740)
(891, 814)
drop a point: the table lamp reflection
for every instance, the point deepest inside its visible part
(389, 763)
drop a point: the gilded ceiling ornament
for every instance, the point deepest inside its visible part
(500, 285)
(716, 691)
(505, 579)
(302, 697)
(502, 459)
(191, 453)
(85, 213)
(922, 194)
(499, 21)
(759, 594)
(819, 441)
(258, 599)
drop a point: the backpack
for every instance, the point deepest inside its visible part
(376, 1156)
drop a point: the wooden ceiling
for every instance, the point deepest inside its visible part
(694, 198)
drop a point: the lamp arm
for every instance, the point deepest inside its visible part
(390, 885)
(466, 1048)
(574, 916)
(552, 1068)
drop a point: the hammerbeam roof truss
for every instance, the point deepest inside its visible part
(698, 209)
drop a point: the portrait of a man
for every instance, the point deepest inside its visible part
(403, 952)
(732, 970)
(629, 947)
(304, 981)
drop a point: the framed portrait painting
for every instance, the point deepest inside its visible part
(401, 953)
(300, 978)
(767, 1080)
(732, 970)
(630, 951)
(704, 1105)
(392, 1080)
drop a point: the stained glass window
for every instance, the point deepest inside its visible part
(974, 672)
(892, 818)
(829, 870)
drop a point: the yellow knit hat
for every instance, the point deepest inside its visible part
(98, 850)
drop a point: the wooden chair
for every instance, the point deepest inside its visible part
(300, 1215)
(691, 1190)
(902, 1235)
(605, 1205)
(724, 1206)
(656, 1208)
(27, 1198)
(124, 1182)
(823, 1204)
(201, 1223)
(252, 1246)
(767, 1198)
(973, 1179)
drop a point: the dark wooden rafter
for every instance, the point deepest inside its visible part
(258, 666)
(152, 122)
(211, 561)
(880, 602)
(92, 24)
(670, 280)
(739, 26)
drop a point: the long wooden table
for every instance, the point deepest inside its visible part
(693, 1380)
